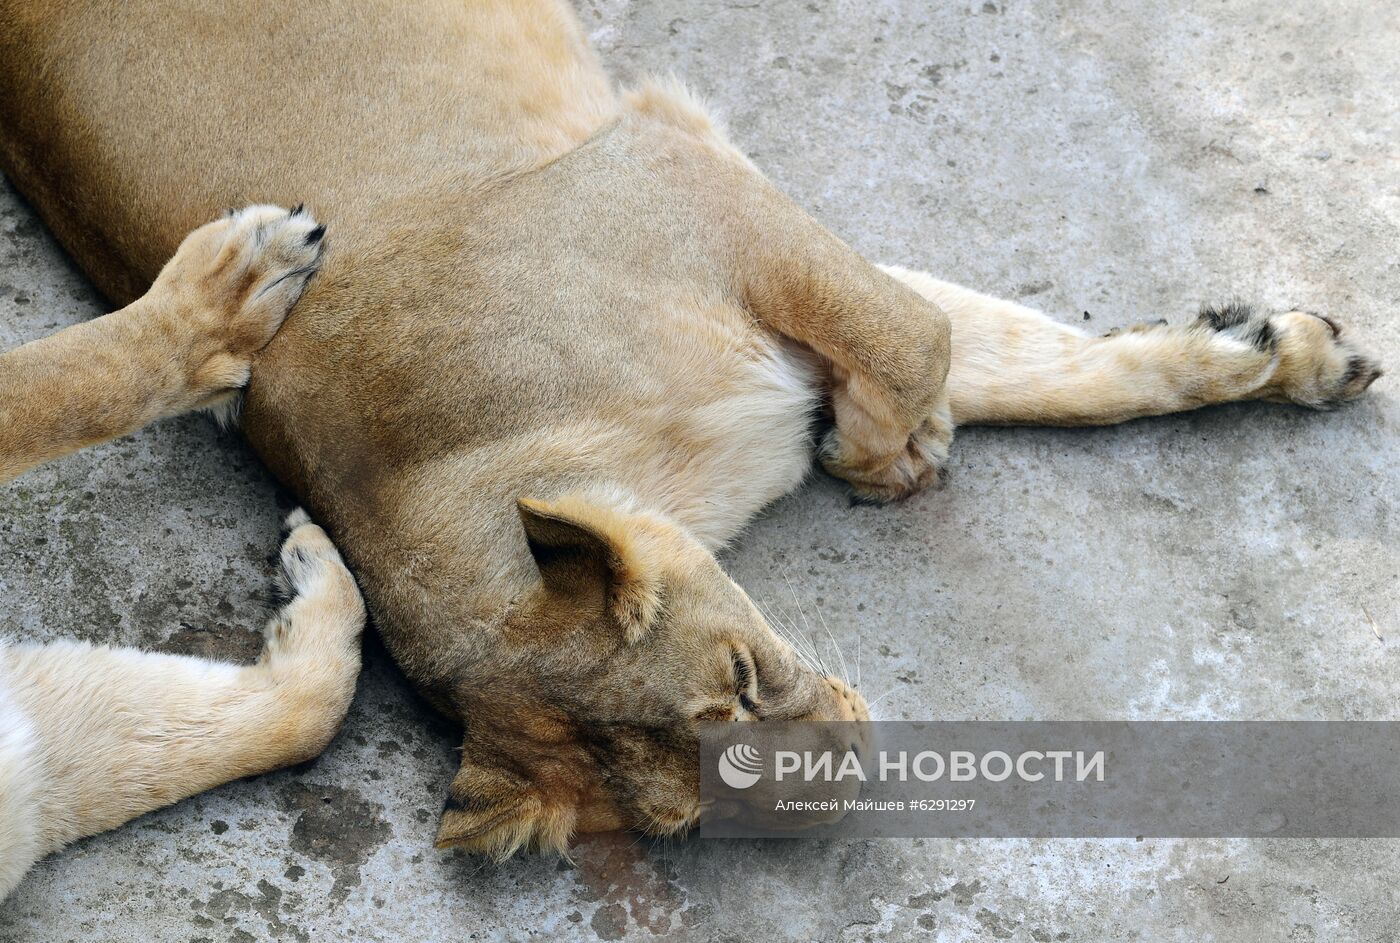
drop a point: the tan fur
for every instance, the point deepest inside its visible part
(1014, 365)
(92, 736)
(544, 291)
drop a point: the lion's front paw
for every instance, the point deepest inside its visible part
(229, 287)
(1317, 366)
(262, 258)
(920, 465)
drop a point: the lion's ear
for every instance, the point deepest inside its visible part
(497, 813)
(588, 554)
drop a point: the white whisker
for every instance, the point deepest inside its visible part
(788, 635)
(806, 624)
(804, 643)
(870, 704)
(840, 654)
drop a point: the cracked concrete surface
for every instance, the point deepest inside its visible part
(1123, 160)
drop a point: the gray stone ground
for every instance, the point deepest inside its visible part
(1125, 159)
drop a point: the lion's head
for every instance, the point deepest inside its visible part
(587, 717)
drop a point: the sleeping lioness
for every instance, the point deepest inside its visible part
(569, 341)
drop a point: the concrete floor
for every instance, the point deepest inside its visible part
(1128, 160)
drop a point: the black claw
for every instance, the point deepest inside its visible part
(1333, 326)
(1222, 317)
(314, 236)
(1360, 369)
(298, 209)
(1263, 337)
(279, 594)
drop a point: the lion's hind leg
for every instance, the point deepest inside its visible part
(1014, 365)
(119, 732)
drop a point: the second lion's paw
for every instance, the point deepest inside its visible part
(228, 289)
(238, 277)
(267, 256)
(1318, 366)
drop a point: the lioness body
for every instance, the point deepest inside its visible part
(452, 302)
(542, 289)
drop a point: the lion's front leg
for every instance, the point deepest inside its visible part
(885, 347)
(187, 343)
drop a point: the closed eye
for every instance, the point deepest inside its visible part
(746, 681)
